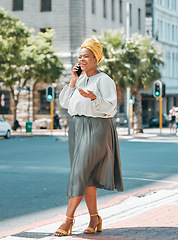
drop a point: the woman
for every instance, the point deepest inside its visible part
(91, 100)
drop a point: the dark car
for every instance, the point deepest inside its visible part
(154, 121)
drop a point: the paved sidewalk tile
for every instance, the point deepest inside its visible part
(160, 223)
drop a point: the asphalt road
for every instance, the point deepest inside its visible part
(34, 174)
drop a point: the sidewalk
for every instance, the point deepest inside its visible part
(122, 132)
(147, 215)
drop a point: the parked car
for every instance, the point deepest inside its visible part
(154, 120)
(5, 128)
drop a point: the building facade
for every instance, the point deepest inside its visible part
(162, 24)
(73, 21)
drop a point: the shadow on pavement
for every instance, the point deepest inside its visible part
(139, 233)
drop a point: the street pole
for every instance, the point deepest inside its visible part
(51, 112)
(131, 115)
(128, 88)
(160, 113)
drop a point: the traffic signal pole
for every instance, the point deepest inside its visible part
(160, 113)
(159, 92)
(51, 113)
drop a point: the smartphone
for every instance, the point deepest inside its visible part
(78, 71)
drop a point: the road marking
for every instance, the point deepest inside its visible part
(149, 180)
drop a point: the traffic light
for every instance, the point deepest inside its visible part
(157, 89)
(49, 93)
(163, 90)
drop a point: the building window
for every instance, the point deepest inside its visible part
(44, 104)
(113, 9)
(104, 9)
(139, 18)
(168, 32)
(161, 29)
(17, 5)
(45, 5)
(120, 11)
(173, 65)
(6, 108)
(176, 34)
(93, 7)
(130, 14)
(173, 33)
(168, 3)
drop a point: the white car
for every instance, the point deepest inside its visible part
(5, 128)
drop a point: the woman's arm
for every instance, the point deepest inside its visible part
(68, 90)
(107, 102)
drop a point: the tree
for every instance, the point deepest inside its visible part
(25, 57)
(132, 62)
(42, 64)
(13, 36)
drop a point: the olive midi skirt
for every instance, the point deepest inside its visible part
(94, 155)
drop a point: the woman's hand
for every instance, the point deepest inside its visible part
(88, 94)
(74, 77)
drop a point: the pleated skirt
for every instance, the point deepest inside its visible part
(94, 155)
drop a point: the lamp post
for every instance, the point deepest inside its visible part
(128, 88)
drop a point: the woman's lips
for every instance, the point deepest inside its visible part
(82, 64)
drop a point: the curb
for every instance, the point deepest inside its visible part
(115, 201)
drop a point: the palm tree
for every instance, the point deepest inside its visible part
(132, 62)
(146, 72)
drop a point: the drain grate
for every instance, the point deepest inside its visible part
(37, 235)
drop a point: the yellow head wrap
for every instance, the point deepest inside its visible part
(95, 47)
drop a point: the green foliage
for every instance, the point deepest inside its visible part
(24, 56)
(42, 63)
(132, 62)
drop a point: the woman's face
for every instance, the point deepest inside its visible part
(87, 60)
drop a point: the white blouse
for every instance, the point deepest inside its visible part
(102, 86)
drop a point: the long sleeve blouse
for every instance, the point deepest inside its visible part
(103, 106)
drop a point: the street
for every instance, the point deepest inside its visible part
(34, 174)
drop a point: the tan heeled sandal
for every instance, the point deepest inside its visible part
(62, 231)
(98, 227)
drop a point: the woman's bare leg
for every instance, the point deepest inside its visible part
(91, 202)
(72, 205)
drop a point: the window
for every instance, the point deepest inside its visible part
(113, 9)
(6, 108)
(17, 5)
(104, 9)
(120, 11)
(44, 104)
(130, 14)
(93, 7)
(168, 3)
(173, 33)
(45, 5)
(139, 18)
(173, 65)
(165, 31)
(168, 32)
(161, 29)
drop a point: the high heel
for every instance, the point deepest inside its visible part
(98, 227)
(62, 231)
